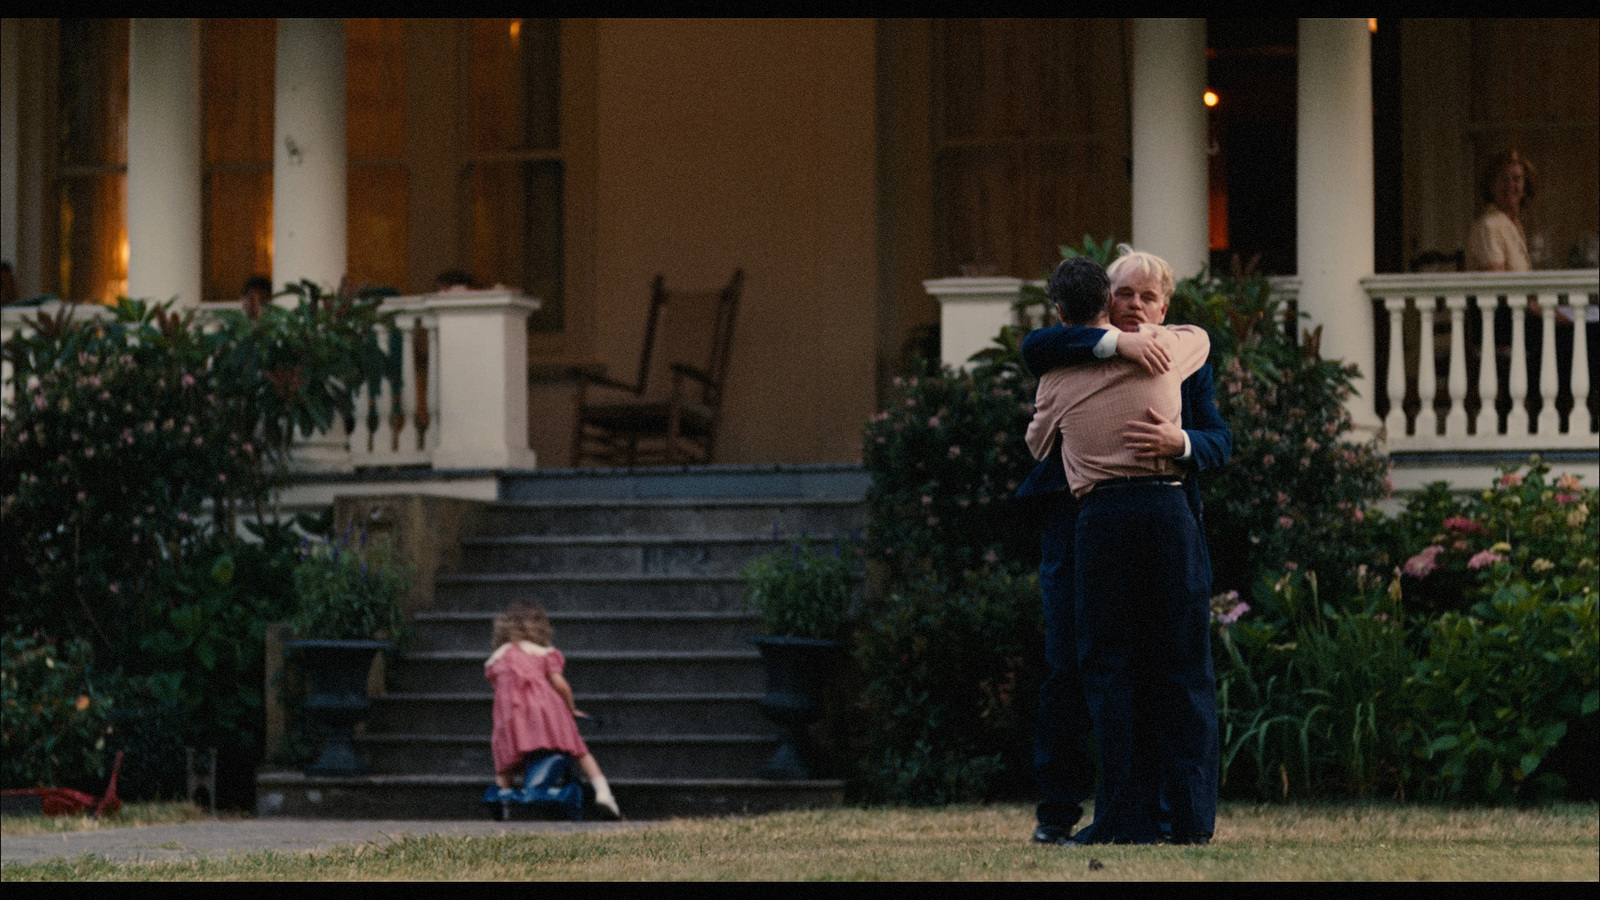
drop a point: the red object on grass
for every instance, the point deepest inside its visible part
(111, 804)
(68, 802)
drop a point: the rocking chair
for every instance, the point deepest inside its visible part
(669, 416)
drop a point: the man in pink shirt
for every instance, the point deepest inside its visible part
(1142, 575)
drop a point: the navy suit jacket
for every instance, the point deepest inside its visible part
(1210, 438)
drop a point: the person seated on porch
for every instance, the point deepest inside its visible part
(453, 280)
(1497, 243)
(8, 285)
(254, 294)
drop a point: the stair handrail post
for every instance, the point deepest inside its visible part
(483, 379)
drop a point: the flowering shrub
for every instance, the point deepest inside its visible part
(1297, 490)
(1513, 665)
(55, 722)
(133, 449)
(1471, 671)
(952, 674)
(945, 458)
(134, 443)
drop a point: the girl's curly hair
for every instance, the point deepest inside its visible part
(523, 620)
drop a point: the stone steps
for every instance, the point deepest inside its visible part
(579, 632)
(640, 573)
(471, 714)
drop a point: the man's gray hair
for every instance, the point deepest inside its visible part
(1131, 263)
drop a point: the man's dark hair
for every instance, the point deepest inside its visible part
(1079, 288)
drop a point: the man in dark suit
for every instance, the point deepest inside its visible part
(1064, 764)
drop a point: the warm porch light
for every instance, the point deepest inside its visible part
(1210, 98)
(1372, 25)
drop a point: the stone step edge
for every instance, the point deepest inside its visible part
(471, 578)
(652, 540)
(681, 502)
(618, 656)
(488, 697)
(451, 616)
(297, 778)
(599, 739)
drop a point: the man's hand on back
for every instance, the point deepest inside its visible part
(1156, 439)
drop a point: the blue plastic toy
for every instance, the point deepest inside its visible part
(548, 791)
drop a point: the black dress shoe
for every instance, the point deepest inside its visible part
(1055, 834)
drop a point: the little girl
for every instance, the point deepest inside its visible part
(533, 707)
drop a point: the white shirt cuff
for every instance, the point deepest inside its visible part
(1107, 346)
(1188, 448)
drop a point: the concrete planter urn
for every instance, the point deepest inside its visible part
(797, 671)
(337, 671)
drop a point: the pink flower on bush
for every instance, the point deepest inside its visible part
(1423, 564)
(1227, 608)
(1463, 525)
(1484, 558)
(1285, 522)
(1569, 482)
(1511, 479)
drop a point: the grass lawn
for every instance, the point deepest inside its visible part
(1299, 843)
(132, 816)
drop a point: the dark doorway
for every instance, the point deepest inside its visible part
(1251, 65)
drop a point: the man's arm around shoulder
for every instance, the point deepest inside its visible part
(1049, 348)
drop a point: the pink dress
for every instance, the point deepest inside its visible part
(528, 713)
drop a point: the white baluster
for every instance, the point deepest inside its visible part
(1395, 381)
(1519, 369)
(1581, 422)
(435, 411)
(383, 435)
(1427, 375)
(406, 438)
(1455, 423)
(1549, 423)
(1488, 380)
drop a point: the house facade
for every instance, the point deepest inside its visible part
(867, 175)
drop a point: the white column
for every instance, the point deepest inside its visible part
(308, 157)
(1169, 142)
(10, 166)
(1334, 191)
(164, 213)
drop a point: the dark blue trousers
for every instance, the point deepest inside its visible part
(1144, 653)
(1063, 754)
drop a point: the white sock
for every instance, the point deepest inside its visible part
(602, 794)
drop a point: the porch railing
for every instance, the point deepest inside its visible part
(453, 394)
(1486, 361)
(1463, 389)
